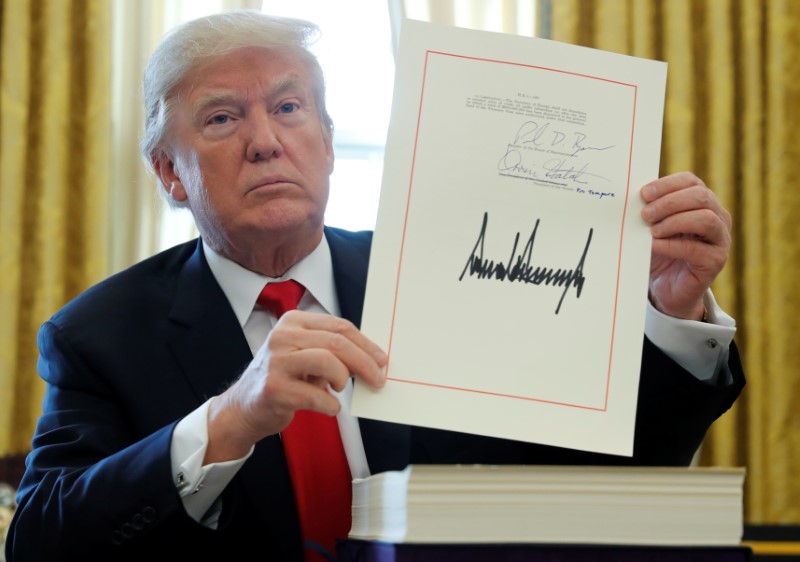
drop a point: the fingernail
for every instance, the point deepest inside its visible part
(647, 212)
(381, 358)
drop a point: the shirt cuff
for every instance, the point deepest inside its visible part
(699, 347)
(199, 486)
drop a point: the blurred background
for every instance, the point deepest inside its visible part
(77, 205)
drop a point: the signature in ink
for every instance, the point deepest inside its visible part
(519, 268)
(556, 168)
(577, 146)
(531, 132)
(511, 162)
(541, 135)
(532, 140)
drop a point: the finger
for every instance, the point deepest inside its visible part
(289, 394)
(265, 398)
(698, 254)
(326, 322)
(673, 200)
(337, 336)
(701, 224)
(689, 199)
(315, 366)
(669, 184)
(698, 238)
(300, 378)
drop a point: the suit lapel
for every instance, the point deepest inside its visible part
(350, 259)
(204, 335)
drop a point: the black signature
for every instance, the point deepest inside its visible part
(519, 266)
(578, 147)
(554, 170)
(511, 162)
(557, 169)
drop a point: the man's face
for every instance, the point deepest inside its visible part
(248, 152)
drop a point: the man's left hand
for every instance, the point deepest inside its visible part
(691, 241)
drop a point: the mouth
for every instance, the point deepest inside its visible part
(270, 183)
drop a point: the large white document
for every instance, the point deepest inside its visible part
(509, 269)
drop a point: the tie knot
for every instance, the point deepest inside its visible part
(281, 296)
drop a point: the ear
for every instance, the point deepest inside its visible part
(168, 176)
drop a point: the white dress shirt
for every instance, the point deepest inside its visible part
(699, 347)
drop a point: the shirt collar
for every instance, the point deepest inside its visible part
(242, 286)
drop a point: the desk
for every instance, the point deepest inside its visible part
(773, 543)
(366, 551)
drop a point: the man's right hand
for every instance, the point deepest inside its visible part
(304, 354)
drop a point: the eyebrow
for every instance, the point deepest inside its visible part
(218, 98)
(279, 87)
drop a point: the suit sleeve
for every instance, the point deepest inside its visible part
(676, 409)
(86, 453)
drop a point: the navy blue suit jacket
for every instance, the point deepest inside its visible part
(126, 360)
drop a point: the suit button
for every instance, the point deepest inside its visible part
(148, 514)
(116, 538)
(137, 521)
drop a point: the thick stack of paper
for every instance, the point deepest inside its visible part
(550, 504)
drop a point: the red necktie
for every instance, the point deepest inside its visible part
(315, 455)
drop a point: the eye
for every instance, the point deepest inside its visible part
(219, 119)
(288, 107)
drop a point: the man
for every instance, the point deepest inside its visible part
(170, 391)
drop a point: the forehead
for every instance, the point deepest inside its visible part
(264, 70)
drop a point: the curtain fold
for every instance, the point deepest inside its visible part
(54, 172)
(731, 116)
(134, 208)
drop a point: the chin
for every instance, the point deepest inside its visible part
(290, 223)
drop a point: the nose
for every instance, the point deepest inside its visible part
(262, 137)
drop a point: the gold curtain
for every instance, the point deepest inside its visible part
(54, 176)
(733, 117)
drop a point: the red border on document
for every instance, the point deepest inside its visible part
(604, 408)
